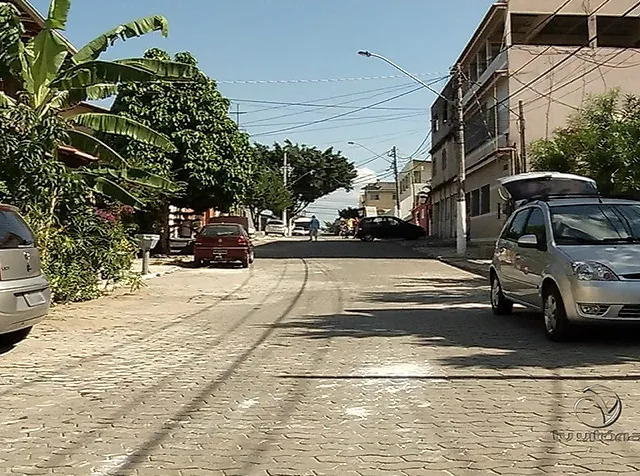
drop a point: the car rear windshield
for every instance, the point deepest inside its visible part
(275, 222)
(14, 232)
(596, 223)
(221, 230)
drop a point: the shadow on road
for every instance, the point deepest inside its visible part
(452, 313)
(335, 248)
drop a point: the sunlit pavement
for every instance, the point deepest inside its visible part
(336, 357)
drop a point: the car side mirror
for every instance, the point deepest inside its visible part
(528, 241)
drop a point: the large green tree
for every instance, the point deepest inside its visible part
(312, 173)
(54, 79)
(601, 141)
(212, 159)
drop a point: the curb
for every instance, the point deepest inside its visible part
(159, 274)
(465, 266)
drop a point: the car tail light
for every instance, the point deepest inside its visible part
(242, 240)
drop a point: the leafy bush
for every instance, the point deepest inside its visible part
(83, 243)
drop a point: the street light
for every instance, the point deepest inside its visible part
(461, 235)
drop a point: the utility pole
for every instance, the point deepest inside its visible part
(394, 155)
(461, 235)
(523, 139)
(285, 180)
(238, 114)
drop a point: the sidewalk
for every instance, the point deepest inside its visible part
(476, 261)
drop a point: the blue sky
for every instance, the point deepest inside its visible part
(289, 42)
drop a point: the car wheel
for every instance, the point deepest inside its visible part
(12, 338)
(197, 262)
(500, 305)
(556, 324)
(252, 257)
(245, 262)
(368, 238)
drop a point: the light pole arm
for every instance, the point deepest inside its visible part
(368, 54)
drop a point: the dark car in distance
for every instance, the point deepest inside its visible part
(386, 228)
(223, 243)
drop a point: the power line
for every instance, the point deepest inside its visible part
(387, 117)
(331, 80)
(340, 96)
(319, 121)
(325, 106)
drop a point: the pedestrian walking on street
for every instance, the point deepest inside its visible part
(314, 229)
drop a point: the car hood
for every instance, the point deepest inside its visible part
(621, 259)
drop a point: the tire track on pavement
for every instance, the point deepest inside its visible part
(140, 454)
(300, 388)
(123, 411)
(107, 353)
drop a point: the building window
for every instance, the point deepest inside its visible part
(394, 196)
(436, 123)
(475, 202)
(417, 177)
(444, 159)
(485, 200)
(375, 196)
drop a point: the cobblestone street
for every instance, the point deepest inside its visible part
(332, 358)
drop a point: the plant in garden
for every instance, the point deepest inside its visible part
(601, 141)
(80, 247)
(53, 78)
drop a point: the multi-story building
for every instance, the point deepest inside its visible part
(415, 177)
(540, 58)
(379, 195)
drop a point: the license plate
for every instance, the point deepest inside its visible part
(35, 299)
(219, 252)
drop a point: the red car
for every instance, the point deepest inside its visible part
(223, 243)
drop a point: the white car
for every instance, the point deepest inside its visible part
(275, 227)
(300, 231)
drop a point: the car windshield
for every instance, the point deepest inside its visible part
(221, 230)
(596, 224)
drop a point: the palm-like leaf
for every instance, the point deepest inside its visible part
(121, 125)
(66, 99)
(49, 54)
(100, 72)
(165, 70)
(13, 54)
(58, 14)
(129, 30)
(148, 179)
(104, 185)
(89, 144)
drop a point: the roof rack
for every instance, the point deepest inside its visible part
(560, 196)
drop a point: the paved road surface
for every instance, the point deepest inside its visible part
(335, 358)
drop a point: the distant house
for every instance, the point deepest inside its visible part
(379, 195)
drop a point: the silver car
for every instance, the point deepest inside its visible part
(567, 252)
(275, 227)
(25, 294)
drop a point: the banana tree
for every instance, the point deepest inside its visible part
(55, 79)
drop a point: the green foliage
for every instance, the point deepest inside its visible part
(601, 141)
(213, 160)
(349, 213)
(53, 79)
(313, 173)
(80, 246)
